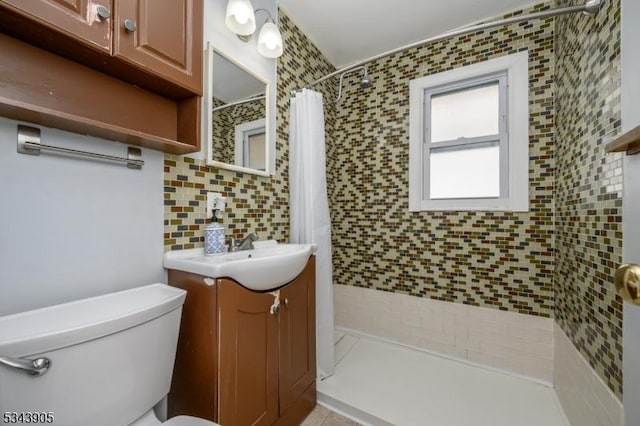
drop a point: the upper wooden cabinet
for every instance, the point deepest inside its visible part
(155, 44)
(159, 35)
(78, 19)
(125, 70)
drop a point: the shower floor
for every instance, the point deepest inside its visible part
(379, 383)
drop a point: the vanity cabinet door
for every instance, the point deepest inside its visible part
(297, 336)
(194, 383)
(77, 19)
(163, 37)
(248, 360)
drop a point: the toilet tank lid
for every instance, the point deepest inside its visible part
(54, 327)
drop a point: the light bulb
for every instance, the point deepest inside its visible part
(270, 40)
(240, 17)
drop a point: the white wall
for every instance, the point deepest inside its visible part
(73, 228)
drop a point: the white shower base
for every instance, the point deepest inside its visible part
(379, 383)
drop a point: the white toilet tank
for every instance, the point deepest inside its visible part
(111, 357)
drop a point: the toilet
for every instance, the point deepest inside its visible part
(102, 361)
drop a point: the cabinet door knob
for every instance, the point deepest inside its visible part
(129, 25)
(103, 12)
(286, 303)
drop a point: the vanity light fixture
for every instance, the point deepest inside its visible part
(241, 19)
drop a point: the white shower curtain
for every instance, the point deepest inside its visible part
(309, 210)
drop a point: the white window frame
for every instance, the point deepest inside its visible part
(242, 131)
(514, 191)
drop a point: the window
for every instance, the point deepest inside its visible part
(254, 149)
(469, 138)
(250, 145)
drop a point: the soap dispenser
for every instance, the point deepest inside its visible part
(214, 232)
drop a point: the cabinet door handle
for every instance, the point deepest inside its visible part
(130, 26)
(286, 303)
(103, 12)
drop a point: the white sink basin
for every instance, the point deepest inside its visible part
(267, 267)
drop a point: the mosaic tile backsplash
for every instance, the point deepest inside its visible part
(500, 260)
(589, 188)
(254, 203)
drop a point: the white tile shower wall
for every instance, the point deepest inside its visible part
(512, 342)
(585, 398)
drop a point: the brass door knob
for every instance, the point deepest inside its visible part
(627, 281)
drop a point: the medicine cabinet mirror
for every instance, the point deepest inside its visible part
(236, 105)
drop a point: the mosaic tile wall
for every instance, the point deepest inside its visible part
(589, 188)
(224, 126)
(255, 203)
(491, 259)
(223, 150)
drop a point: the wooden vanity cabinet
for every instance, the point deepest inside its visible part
(238, 361)
(297, 339)
(248, 356)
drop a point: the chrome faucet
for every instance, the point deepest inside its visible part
(245, 244)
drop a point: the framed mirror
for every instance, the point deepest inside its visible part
(236, 111)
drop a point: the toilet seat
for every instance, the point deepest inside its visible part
(188, 421)
(150, 419)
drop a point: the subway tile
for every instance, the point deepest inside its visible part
(540, 368)
(480, 358)
(488, 326)
(432, 324)
(514, 364)
(502, 352)
(533, 322)
(584, 395)
(535, 334)
(446, 349)
(468, 344)
(459, 310)
(455, 330)
(483, 314)
(441, 338)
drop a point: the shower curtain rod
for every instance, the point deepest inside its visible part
(242, 101)
(590, 7)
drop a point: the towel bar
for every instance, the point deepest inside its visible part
(29, 143)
